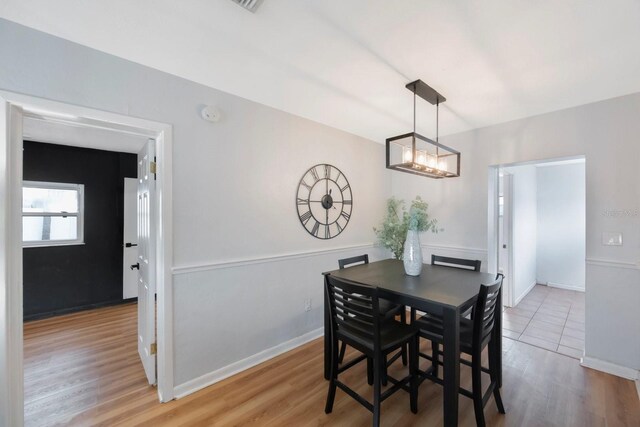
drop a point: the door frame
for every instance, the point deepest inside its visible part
(12, 106)
(507, 193)
(493, 241)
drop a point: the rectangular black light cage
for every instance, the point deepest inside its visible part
(419, 155)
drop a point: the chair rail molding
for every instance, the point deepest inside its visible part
(613, 263)
(239, 262)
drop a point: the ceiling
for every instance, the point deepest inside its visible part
(345, 63)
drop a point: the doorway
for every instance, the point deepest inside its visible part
(539, 244)
(14, 108)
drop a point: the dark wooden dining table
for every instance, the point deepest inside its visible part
(440, 290)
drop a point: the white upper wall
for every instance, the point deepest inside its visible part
(561, 225)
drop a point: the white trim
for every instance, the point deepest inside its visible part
(525, 293)
(78, 188)
(11, 341)
(218, 375)
(185, 269)
(455, 249)
(564, 286)
(11, 257)
(610, 368)
(612, 263)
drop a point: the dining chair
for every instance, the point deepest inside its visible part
(461, 263)
(466, 264)
(388, 310)
(475, 335)
(354, 313)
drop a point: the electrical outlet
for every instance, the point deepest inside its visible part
(307, 304)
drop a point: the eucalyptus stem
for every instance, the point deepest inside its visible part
(393, 231)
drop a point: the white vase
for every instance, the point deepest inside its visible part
(412, 256)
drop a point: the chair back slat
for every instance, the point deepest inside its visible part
(353, 308)
(360, 259)
(486, 310)
(465, 264)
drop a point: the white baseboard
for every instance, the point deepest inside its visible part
(610, 368)
(210, 378)
(563, 286)
(524, 294)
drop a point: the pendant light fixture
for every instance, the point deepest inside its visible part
(417, 154)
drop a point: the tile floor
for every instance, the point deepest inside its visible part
(549, 318)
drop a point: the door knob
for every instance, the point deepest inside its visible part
(136, 265)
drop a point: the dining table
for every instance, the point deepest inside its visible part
(440, 290)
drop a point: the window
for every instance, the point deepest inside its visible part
(52, 214)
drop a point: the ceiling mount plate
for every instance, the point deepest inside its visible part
(426, 92)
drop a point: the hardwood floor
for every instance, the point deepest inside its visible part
(83, 369)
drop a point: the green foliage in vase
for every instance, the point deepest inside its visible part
(393, 231)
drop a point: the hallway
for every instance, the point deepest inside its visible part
(550, 318)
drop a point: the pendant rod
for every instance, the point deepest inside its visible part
(414, 111)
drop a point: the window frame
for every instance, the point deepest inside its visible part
(79, 240)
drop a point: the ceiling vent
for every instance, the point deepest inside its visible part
(250, 5)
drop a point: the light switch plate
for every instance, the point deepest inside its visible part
(612, 238)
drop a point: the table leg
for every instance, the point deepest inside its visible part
(451, 371)
(327, 339)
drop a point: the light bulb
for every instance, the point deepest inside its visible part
(406, 155)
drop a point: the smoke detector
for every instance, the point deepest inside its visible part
(250, 5)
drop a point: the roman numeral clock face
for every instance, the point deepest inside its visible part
(324, 201)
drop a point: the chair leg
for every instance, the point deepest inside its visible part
(413, 314)
(413, 371)
(476, 388)
(377, 389)
(493, 367)
(331, 395)
(383, 376)
(403, 319)
(435, 356)
(369, 371)
(343, 349)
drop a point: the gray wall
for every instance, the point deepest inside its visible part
(240, 282)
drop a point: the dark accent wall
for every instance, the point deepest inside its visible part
(64, 278)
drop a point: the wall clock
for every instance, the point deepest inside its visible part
(324, 201)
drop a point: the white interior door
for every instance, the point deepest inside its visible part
(130, 239)
(505, 250)
(146, 261)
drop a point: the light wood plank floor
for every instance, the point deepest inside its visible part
(83, 369)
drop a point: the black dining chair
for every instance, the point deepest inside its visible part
(475, 334)
(466, 264)
(354, 313)
(461, 263)
(388, 310)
